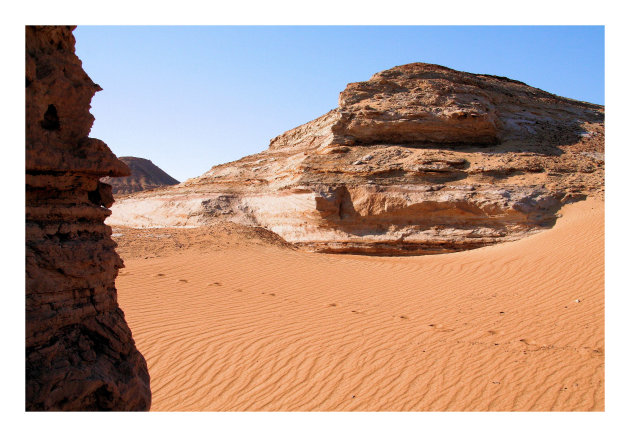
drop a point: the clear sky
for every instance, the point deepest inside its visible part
(190, 97)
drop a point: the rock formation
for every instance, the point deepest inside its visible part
(80, 354)
(419, 159)
(144, 176)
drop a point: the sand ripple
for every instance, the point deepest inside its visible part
(518, 326)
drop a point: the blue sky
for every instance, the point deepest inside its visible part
(190, 97)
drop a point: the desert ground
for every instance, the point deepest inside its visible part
(233, 319)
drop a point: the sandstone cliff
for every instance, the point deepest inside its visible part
(144, 176)
(80, 354)
(419, 159)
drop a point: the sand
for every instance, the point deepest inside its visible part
(235, 323)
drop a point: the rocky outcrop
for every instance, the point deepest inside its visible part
(144, 176)
(419, 159)
(424, 103)
(80, 354)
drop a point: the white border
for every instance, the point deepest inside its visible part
(321, 12)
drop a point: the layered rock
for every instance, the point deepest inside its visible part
(144, 176)
(80, 354)
(419, 159)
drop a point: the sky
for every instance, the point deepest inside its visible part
(191, 97)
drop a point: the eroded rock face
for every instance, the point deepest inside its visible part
(144, 176)
(425, 103)
(419, 159)
(80, 354)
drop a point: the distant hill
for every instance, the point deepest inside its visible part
(144, 176)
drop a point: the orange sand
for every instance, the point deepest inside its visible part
(519, 326)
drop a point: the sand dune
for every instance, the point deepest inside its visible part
(247, 326)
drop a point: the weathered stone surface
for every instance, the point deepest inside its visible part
(80, 354)
(144, 176)
(425, 103)
(419, 159)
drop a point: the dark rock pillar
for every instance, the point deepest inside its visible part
(80, 354)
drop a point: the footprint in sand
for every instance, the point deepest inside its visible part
(160, 274)
(440, 328)
(529, 342)
(218, 284)
(592, 352)
(332, 304)
(497, 332)
(272, 294)
(183, 280)
(404, 317)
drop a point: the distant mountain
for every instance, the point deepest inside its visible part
(144, 176)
